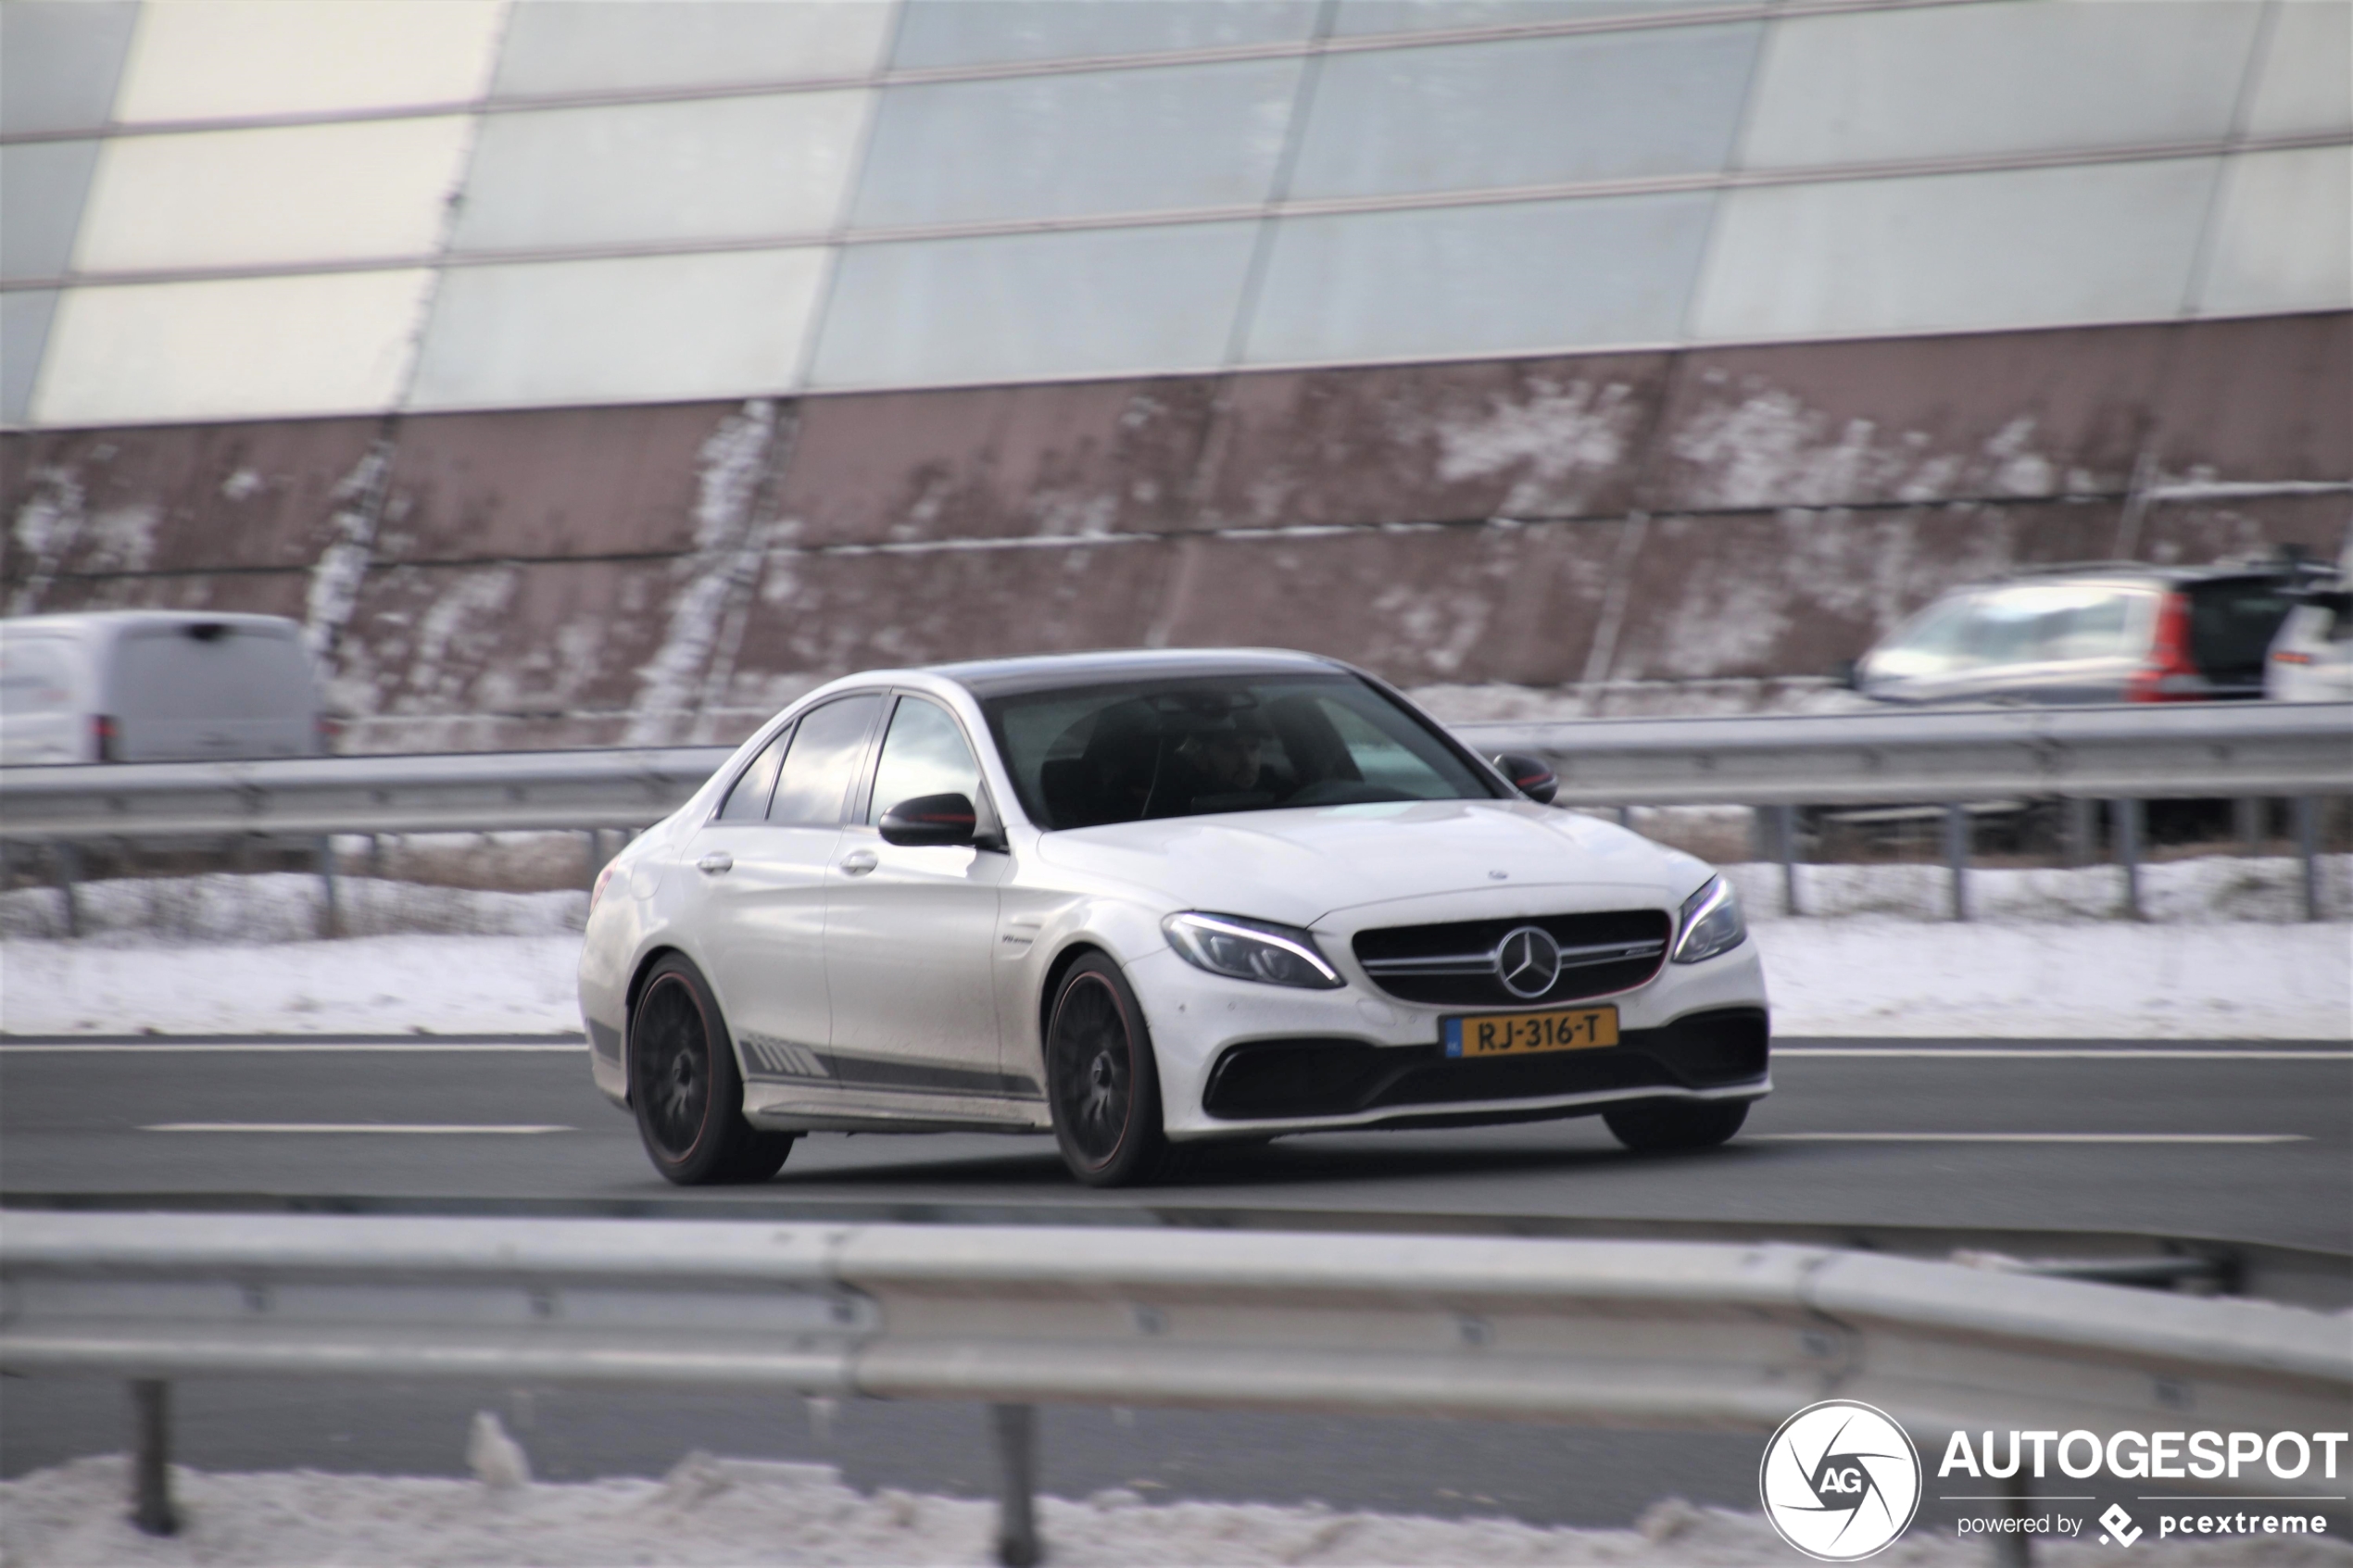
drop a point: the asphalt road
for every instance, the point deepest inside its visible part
(2252, 1144)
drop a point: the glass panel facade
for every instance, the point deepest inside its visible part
(1953, 81)
(43, 185)
(59, 61)
(234, 348)
(963, 32)
(2306, 83)
(1526, 112)
(1480, 279)
(558, 46)
(24, 328)
(630, 330)
(1019, 307)
(2283, 233)
(210, 59)
(371, 190)
(2104, 242)
(702, 169)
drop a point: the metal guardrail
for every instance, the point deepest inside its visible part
(1669, 1334)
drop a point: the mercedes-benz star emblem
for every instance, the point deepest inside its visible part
(1528, 961)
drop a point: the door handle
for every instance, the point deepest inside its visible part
(857, 862)
(717, 860)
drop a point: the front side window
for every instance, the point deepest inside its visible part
(1191, 747)
(812, 789)
(923, 754)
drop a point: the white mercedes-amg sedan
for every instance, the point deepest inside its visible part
(1151, 902)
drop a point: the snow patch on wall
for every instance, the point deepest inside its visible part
(46, 527)
(725, 565)
(343, 565)
(1770, 449)
(1557, 433)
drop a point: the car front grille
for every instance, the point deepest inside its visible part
(1453, 965)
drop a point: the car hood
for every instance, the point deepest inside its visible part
(1299, 866)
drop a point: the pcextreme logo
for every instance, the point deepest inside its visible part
(1840, 1481)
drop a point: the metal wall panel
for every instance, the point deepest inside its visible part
(1949, 80)
(184, 499)
(1526, 276)
(1526, 438)
(2283, 236)
(551, 482)
(2306, 81)
(43, 185)
(1789, 593)
(963, 33)
(1066, 146)
(2065, 246)
(1527, 111)
(211, 59)
(233, 592)
(1906, 420)
(1057, 461)
(25, 315)
(2264, 399)
(1023, 307)
(553, 47)
(714, 168)
(1420, 607)
(2196, 531)
(59, 62)
(634, 330)
(370, 190)
(238, 348)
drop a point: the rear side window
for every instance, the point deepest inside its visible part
(747, 802)
(812, 789)
(2231, 624)
(212, 671)
(36, 676)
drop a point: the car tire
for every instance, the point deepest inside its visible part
(1666, 1126)
(686, 1089)
(1102, 1082)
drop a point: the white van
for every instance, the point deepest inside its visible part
(155, 686)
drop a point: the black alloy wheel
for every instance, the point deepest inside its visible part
(1663, 1126)
(685, 1088)
(1102, 1081)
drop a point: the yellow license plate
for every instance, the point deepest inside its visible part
(1524, 1033)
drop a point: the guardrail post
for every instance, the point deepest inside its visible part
(1785, 844)
(66, 859)
(2127, 854)
(2246, 823)
(1015, 1428)
(2308, 851)
(2083, 831)
(330, 918)
(151, 1508)
(1957, 857)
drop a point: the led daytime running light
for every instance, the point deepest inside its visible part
(1184, 932)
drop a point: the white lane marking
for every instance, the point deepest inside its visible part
(329, 1048)
(2031, 1137)
(2125, 1053)
(513, 1128)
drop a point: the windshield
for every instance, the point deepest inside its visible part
(1189, 748)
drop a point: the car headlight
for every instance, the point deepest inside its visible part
(1251, 950)
(1711, 922)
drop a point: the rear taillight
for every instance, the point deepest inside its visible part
(597, 892)
(2169, 675)
(330, 731)
(102, 737)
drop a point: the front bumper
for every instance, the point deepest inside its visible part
(1244, 1060)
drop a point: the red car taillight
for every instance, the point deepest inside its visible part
(599, 891)
(2169, 675)
(102, 737)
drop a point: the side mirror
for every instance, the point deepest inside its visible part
(1528, 776)
(931, 821)
(1845, 673)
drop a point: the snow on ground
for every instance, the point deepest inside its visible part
(743, 1512)
(2222, 955)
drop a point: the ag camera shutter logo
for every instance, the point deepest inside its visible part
(1840, 1481)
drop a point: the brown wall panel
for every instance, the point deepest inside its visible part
(568, 482)
(233, 592)
(1417, 605)
(2271, 398)
(179, 498)
(1905, 420)
(1791, 592)
(1538, 438)
(995, 462)
(2193, 532)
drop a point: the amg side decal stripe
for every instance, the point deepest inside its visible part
(769, 1057)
